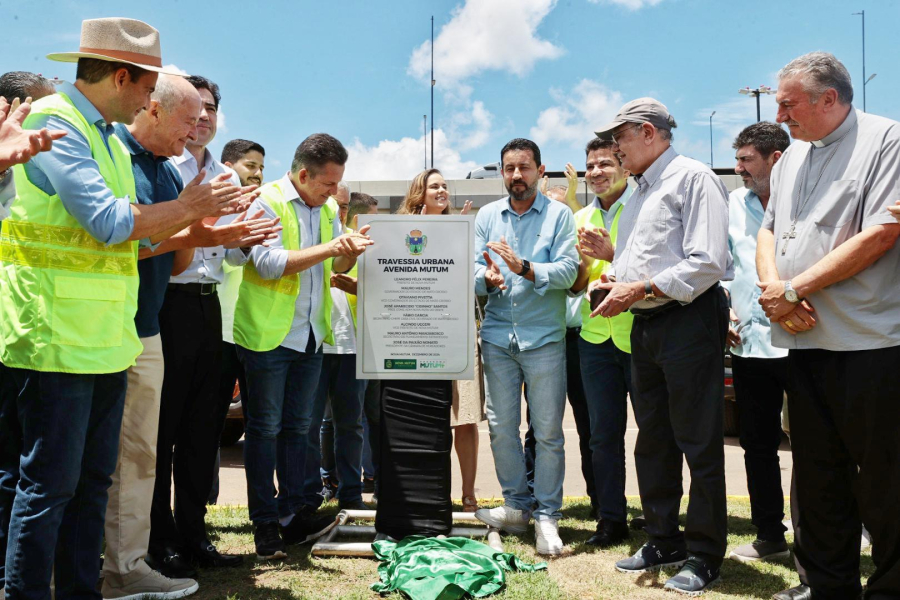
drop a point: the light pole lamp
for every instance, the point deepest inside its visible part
(865, 83)
(711, 140)
(763, 89)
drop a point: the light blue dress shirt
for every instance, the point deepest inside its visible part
(527, 315)
(7, 195)
(745, 216)
(69, 170)
(270, 262)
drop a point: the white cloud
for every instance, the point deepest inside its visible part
(472, 129)
(485, 35)
(576, 113)
(402, 159)
(175, 68)
(629, 4)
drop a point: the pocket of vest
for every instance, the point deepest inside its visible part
(88, 312)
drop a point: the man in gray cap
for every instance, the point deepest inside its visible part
(671, 255)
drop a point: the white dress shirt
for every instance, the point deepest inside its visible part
(206, 266)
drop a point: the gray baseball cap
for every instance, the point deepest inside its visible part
(642, 110)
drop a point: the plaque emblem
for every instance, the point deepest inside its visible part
(416, 242)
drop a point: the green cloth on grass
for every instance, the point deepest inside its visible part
(427, 568)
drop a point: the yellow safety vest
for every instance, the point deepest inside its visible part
(351, 298)
(265, 307)
(600, 329)
(67, 300)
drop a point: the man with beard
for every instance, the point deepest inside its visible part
(605, 343)
(247, 159)
(828, 237)
(533, 240)
(760, 369)
(672, 251)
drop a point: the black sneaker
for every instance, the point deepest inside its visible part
(652, 557)
(694, 578)
(306, 526)
(269, 544)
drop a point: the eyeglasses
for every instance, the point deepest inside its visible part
(618, 136)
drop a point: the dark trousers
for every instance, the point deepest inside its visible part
(189, 418)
(578, 403)
(678, 387)
(339, 388)
(759, 385)
(10, 450)
(414, 476)
(845, 427)
(70, 439)
(372, 411)
(606, 375)
(232, 371)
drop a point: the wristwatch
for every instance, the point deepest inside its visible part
(648, 290)
(526, 266)
(789, 294)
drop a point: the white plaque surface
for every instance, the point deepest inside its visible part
(416, 316)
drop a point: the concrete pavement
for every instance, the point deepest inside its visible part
(233, 486)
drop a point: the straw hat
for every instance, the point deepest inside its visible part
(120, 40)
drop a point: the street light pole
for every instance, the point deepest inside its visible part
(862, 13)
(432, 91)
(763, 89)
(425, 137)
(711, 140)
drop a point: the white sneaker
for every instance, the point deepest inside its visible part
(507, 518)
(546, 536)
(152, 585)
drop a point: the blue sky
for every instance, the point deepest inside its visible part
(550, 70)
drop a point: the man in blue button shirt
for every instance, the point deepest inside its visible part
(760, 370)
(525, 261)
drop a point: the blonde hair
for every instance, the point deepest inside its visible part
(414, 202)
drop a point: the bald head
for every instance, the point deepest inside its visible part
(171, 121)
(171, 90)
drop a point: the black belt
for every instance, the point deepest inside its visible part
(199, 289)
(649, 313)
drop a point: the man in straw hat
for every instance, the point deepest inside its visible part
(672, 251)
(68, 295)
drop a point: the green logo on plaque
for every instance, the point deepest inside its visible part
(416, 242)
(400, 363)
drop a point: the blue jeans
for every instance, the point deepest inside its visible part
(543, 371)
(606, 374)
(337, 383)
(281, 387)
(70, 438)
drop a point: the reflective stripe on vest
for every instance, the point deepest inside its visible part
(67, 300)
(265, 307)
(599, 329)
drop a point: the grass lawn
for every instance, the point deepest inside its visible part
(584, 573)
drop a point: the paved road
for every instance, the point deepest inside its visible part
(233, 488)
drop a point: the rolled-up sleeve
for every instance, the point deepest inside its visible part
(705, 246)
(270, 260)
(69, 170)
(561, 271)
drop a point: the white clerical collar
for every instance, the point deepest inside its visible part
(838, 133)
